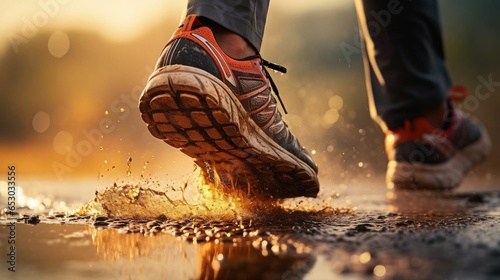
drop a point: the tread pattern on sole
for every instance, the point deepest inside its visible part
(191, 110)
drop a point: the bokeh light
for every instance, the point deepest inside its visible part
(379, 270)
(58, 44)
(41, 122)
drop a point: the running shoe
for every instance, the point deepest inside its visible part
(423, 157)
(221, 112)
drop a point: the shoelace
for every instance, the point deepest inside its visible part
(273, 66)
(278, 68)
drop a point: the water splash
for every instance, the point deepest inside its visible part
(200, 196)
(203, 195)
(138, 201)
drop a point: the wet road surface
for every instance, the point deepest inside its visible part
(395, 235)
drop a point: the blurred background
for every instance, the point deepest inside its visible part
(72, 72)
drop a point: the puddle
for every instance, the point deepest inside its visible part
(198, 232)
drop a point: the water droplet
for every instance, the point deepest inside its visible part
(360, 164)
(106, 113)
(313, 152)
(129, 164)
(101, 148)
(122, 110)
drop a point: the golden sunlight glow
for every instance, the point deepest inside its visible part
(113, 19)
(37, 204)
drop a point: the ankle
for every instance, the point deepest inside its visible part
(438, 117)
(231, 43)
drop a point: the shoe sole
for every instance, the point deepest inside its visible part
(445, 176)
(197, 113)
